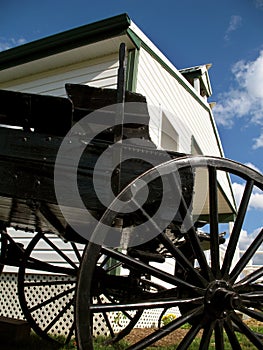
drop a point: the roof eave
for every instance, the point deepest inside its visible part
(64, 41)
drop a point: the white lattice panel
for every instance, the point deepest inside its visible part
(9, 303)
(9, 307)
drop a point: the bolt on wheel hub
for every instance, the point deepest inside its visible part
(221, 299)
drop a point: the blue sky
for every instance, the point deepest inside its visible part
(226, 33)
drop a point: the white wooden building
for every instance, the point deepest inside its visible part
(181, 118)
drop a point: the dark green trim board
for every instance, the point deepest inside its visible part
(132, 70)
(222, 218)
(64, 41)
(134, 38)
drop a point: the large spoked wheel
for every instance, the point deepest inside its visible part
(109, 288)
(3, 247)
(208, 281)
(46, 288)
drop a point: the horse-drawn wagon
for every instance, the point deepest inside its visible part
(84, 169)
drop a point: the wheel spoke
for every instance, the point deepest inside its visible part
(144, 268)
(234, 237)
(35, 264)
(59, 315)
(76, 251)
(219, 336)
(127, 329)
(47, 283)
(252, 277)
(199, 253)
(181, 259)
(149, 304)
(193, 239)
(106, 319)
(246, 257)
(162, 332)
(213, 214)
(252, 313)
(206, 336)
(253, 303)
(133, 319)
(243, 328)
(50, 300)
(70, 333)
(257, 295)
(231, 335)
(58, 250)
(189, 338)
(190, 235)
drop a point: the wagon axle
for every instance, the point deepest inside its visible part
(220, 299)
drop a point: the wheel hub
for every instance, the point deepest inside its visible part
(220, 299)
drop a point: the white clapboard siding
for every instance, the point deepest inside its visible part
(99, 73)
(43, 251)
(189, 117)
(164, 91)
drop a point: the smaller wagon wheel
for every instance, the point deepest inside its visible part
(46, 288)
(110, 289)
(212, 293)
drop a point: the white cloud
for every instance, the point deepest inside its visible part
(246, 239)
(245, 98)
(8, 43)
(234, 24)
(256, 200)
(250, 165)
(258, 142)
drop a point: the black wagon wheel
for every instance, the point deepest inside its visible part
(46, 287)
(3, 246)
(108, 288)
(216, 295)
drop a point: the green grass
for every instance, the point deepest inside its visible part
(36, 343)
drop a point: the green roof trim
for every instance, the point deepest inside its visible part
(64, 41)
(134, 37)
